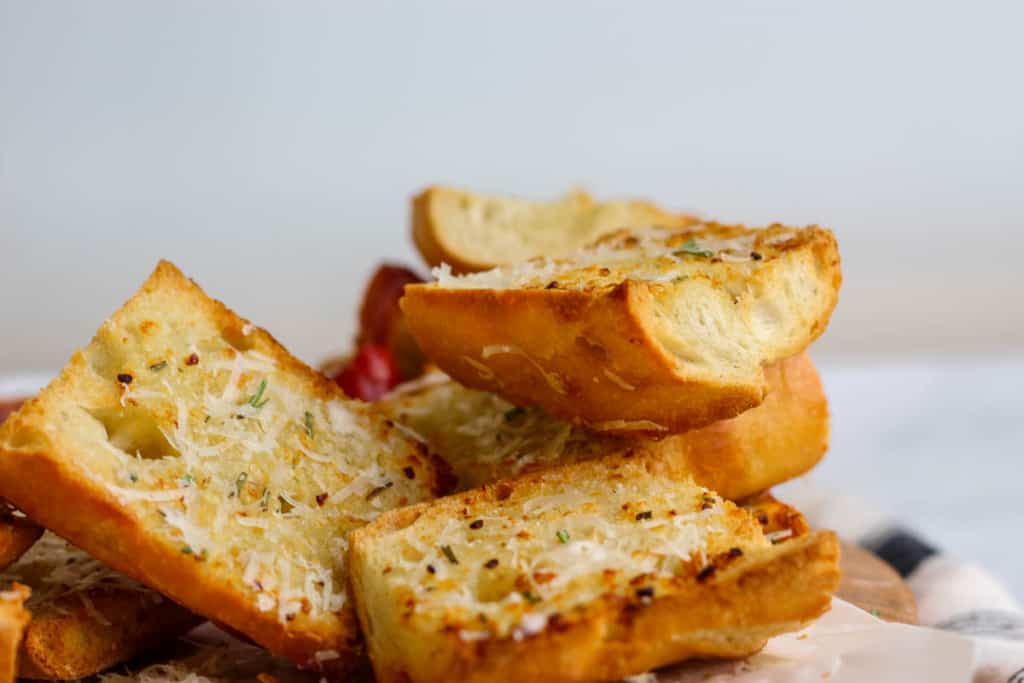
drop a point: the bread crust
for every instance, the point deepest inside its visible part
(17, 535)
(729, 613)
(780, 439)
(596, 355)
(431, 226)
(86, 617)
(38, 466)
(13, 618)
(71, 643)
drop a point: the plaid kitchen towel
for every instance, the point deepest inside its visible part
(951, 595)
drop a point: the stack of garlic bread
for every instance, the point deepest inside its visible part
(600, 406)
(573, 490)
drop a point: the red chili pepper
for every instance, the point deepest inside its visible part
(370, 374)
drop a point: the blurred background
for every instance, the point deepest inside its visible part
(270, 150)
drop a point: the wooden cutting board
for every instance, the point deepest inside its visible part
(874, 586)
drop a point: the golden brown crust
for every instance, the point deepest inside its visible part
(781, 438)
(13, 617)
(85, 616)
(37, 467)
(599, 355)
(778, 440)
(67, 640)
(17, 535)
(730, 612)
(566, 339)
(432, 230)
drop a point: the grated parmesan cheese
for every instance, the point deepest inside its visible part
(653, 254)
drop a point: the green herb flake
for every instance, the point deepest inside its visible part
(450, 554)
(530, 597)
(133, 477)
(255, 400)
(691, 248)
(157, 367)
(186, 550)
(307, 423)
(563, 536)
(875, 613)
(186, 480)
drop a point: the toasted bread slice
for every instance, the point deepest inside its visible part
(85, 616)
(471, 231)
(651, 331)
(13, 618)
(582, 573)
(191, 452)
(484, 438)
(17, 534)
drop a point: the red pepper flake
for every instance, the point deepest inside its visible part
(476, 524)
(193, 359)
(647, 592)
(491, 563)
(430, 569)
(409, 472)
(124, 378)
(756, 256)
(735, 552)
(706, 573)
(321, 498)
(646, 514)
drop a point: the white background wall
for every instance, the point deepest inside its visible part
(270, 148)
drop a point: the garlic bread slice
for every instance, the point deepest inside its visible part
(589, 572)
(187, 449)
(651, 330)
(471, 231)
(484, 438)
